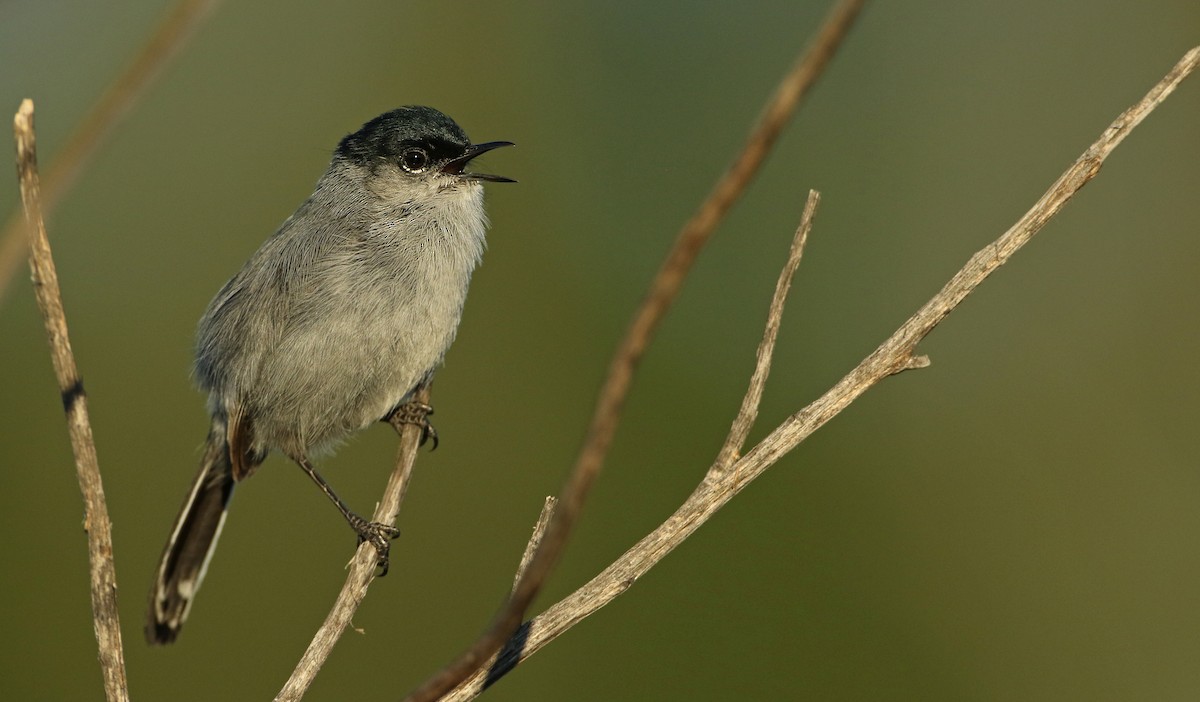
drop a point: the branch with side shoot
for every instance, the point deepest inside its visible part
(729, 474)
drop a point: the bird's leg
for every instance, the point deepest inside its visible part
(413, 412)
(378, 533)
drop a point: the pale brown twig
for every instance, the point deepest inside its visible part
(362, 569)
(105, 619)
(663, 290)
(744, 422)
(168, 39)
(722, 482)
(535, 540)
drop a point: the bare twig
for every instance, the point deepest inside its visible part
(362, 569)
(663, 290)
(722, 482)
(105, 620)
(168, 39)
(539, 531)
(744, 421)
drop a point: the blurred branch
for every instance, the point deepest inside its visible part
(727, 477)
(167, 41)
(663, 290)
(362, 568)
(105, 619)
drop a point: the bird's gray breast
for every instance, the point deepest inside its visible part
(371, 318)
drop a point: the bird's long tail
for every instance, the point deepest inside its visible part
(193, 539)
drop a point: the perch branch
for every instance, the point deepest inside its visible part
(167, 41)
(105, 620)
(362, 569)
(663, 290)
(721, 482)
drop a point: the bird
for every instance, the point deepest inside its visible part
(333, 324)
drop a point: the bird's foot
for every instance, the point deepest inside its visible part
(417, 413)
(380, 536)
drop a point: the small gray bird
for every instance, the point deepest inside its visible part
(332, 325)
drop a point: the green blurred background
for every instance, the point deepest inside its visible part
(1018, 522)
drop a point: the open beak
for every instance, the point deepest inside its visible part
(456, 166)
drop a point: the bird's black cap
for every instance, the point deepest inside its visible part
(391, 134)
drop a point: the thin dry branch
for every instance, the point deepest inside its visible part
(362, 569)
(744, 422)
(105, 620)
(663, 290)
(539, 532)
(896, 354)
(167, 41)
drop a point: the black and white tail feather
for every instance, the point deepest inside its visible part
(192, 541)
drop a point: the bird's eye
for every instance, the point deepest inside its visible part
(414, 160)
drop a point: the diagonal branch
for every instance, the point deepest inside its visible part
(362, 568)
(663, 290)
(539, 531)
(896, 354)
(744, 421)
(722, 482)
(105, 620)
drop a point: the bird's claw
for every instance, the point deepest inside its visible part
(379, 535)
(416, 413)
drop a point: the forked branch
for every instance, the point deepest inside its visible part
(727, 477)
